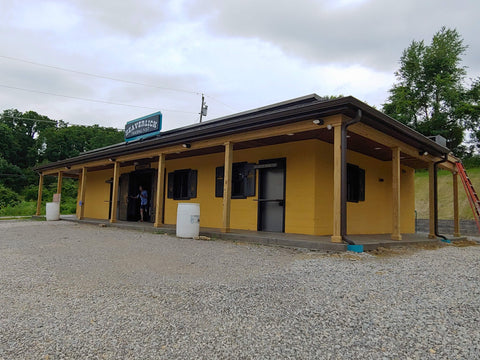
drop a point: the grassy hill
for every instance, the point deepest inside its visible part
(445, 194)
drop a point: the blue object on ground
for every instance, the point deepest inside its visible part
(446, 241)
(355, 248)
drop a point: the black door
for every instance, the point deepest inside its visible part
(271, 195)
(139, 178)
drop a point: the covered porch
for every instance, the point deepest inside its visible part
(300, 241)
(340, 131)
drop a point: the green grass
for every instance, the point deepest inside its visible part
(29, 208)
(445, 194)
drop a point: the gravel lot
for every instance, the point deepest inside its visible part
(70, 291)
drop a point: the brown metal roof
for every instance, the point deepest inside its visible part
(298, 109)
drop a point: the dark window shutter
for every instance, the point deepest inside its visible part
(352, 183)
(361, 184)
(250, 180)
(219, 173)
(171, 181)
(192, 184)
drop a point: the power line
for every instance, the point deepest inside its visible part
(50, 121)
(113, 78)
(93, 100)
(99, 76)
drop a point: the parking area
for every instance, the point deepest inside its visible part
(81, 291)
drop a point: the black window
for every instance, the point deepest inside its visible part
(182, 184)
(355, 183)
(243, 180)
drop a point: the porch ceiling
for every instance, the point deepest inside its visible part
(355, 143)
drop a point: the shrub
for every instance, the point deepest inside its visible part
(8, 197)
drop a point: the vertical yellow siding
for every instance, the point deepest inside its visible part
(309, 184)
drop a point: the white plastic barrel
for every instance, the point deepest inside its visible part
(188, 220)
(53, 211)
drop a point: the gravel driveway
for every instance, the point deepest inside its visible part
(70, 291)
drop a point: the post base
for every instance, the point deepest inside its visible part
(432, 236)
(396, 237)
(336, 239)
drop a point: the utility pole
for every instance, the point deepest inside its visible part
(203, 109)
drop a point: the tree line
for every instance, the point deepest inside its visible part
(29, 139)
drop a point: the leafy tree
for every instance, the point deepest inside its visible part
(12, 176)
(68, 141)
(431, 95)
(25, 129)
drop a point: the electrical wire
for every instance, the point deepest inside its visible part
(94, 100)
(99, 76)
(51, 121)
(113, 79)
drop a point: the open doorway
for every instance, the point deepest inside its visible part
(145, 179)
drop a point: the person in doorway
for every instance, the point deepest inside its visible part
(143, 196)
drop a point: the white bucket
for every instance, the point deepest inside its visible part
(53, 211)
(188, 220)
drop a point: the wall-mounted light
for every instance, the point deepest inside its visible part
(112, 159)
(329, 127)
(318, 122)
(68, 167)
(423, 153)
(377, 148)
(290, 134)
(187, 145)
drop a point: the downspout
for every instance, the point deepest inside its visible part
(343, 195)
(435, 195)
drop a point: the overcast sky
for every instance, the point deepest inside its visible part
(242, 54)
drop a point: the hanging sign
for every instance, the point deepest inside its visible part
(143, 127)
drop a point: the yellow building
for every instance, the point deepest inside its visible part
(303, 166)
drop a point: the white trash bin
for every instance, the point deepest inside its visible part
(188, 220)
(53, 211)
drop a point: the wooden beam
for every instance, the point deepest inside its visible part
(396, 235)
(59, 182)
(39, 197)
(83, 185)
(431, 207)
(337, 184)
(160, 191)
(227, 186)
(456, 218)
(113, 204)
(389, 141)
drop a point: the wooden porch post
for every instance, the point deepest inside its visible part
(396, 235)
(431, 195)
(337, 184)
(113, 205)
(227, 186)
(456, 219)
(82, 192)
(39, 198)
(160, 191)
(59, 182)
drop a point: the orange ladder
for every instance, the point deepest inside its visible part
(471, 194)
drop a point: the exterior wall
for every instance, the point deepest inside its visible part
(97, 194)
(374, 215)
(308, 199)
(299, 202)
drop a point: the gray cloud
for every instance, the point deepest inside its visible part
(372, 33)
